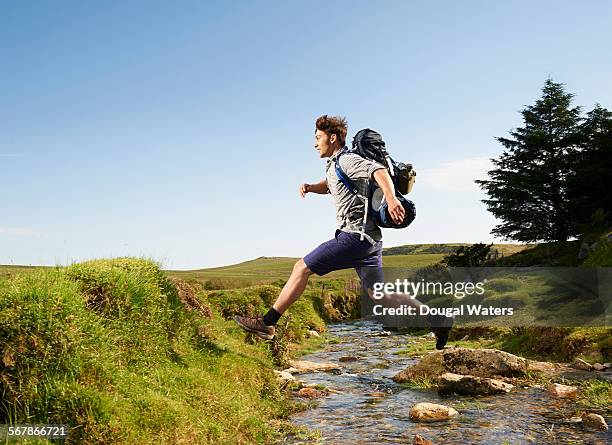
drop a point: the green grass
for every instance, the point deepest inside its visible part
(601, 256)
(544, 254)
(109, 348)
(595, 393)
(537, 343)
(420, 383)
(557, 343)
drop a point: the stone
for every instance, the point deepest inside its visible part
(283, 377)
(431, 412)
(332, 391)
(348, 358)
(310, 393)
(595, 421)
(377, 394)
(581, 364)
(465, 361)
(562, 391)
(420, 440)
(468, 385)
(313, 333)
(301, 366)
(380, 334)
(599, 367)
(545, 367)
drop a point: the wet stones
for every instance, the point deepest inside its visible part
(562, 391)
(449, 383)
(600, 367)
(420, 440)
(544, 367)
(586, 366)
(377, 394)
(581, 364)
(348, 358)
(465, 361)
(310, 393)
(483, 362)
(283, 377)
(301, 366)
(431, 412)
(380, 334)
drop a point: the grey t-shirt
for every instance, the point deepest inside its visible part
(349, 207)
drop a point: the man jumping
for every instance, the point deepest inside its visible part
(358, 240)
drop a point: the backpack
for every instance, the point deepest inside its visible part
(370, 145)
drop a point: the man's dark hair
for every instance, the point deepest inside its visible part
(333, 125)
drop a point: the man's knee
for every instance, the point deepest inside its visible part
(301, 268)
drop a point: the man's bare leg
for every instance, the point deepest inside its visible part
(293, 288)
(264, 326)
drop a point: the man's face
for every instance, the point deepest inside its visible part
(325, 144)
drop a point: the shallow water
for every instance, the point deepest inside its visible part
(372, 409)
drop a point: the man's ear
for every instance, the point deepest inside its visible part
(332, 138)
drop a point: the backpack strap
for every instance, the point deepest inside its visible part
(350, 185)
(344, 179)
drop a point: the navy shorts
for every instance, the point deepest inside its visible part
(346, 251)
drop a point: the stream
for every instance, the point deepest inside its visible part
(371, 408)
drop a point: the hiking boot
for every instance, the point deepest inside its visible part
(256, 326)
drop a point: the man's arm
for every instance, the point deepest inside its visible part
(396, 210)
(319, 188)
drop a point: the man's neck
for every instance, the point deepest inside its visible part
(336, 151)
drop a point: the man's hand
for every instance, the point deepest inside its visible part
(304, 188)
(320, 188)
(396, 210)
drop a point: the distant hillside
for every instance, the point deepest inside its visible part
(447, 248)
(270, 269)
(6, 270)
(266, 269)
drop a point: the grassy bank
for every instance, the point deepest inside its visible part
(125, 354)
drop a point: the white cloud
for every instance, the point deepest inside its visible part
(455, 176)
(21, 231)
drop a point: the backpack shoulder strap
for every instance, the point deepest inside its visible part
(343, 177)
(350, 185)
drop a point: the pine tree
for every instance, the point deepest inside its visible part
(589, 183)
(527, 188)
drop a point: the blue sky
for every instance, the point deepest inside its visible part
(182, 130)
